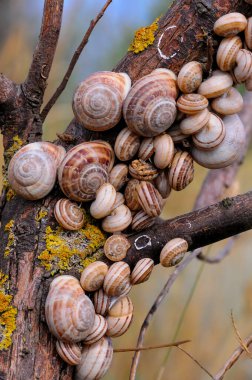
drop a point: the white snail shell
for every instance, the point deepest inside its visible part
(243, 69)
(69, 352)
(211, 135)
(229, 103)
(117, 279)
(120, 200)
(173, 252)
(142, 271)
(98, 330)
(97, 102)
(69, 215)
(119, 220)
(116, 247)
(105, 199)
(216, 85)
(248, 33)
(164, 151)
(119, 317)
(93, 276)
(69, 312)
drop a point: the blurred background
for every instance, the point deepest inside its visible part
(218, 288)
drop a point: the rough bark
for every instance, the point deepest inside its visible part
(32, 353)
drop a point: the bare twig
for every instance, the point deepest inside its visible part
(73, 61)
(197, 362)
(221, 255)
(175, 344)
(238, 335)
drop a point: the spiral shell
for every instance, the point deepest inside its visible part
(164, 151)
(117, 279)
(126, 145)
(228, 151)
(211, 135)
(230, 24)
(162, 184)
(116, 247)
(32, 170)
(149, 198)
(149, 108)
(84, 169)
(93, 276)
(118, 201)
(192, 103)
(192, 124)
(142, 170)
(243, 69)
(142, 271)
(69, 352)
(105, 199)
(248, 33)
(69, 215)
(141, 221)
(96, 359)
(97, 102)
(176, 134)
(216, 85)
(101, 302)
(98, 330)
(181, 171)
(118, 176)
(119, 317)
(130, 194)
(146, 148)
(119, 220)
(190, 77)
(173, 252)
(229, 103)
(227, 52)
(69, 312)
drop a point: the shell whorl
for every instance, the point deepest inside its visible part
(69, 215)
(97, 102)
(116, 247)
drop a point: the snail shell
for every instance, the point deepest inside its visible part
(143, 170)
(190, 77)
(69, 352)
(116, 247)
(176, 134)
(230, 24)
(98, 330)
(126, 145)
(211, 135)
(96, 359)
(84, 169)
(248, 33)
(130, 194)
(173, 252)
(101, 302)
(69, 215)
(149, 198)
(248, 84)
(192, 103)
(162, 184)
(118, 201)
(229, 103)
(118, 176)
(243, 70)
(32, 169)
(97, 102)
(146, 148)
(117, 279)
(228, 151)
(120, 317)
(69, 312)
(216, 85)
(150, 108)
(181, 171)
(93, 276)
(119, 220)
(105, 199)
(142, 271)
(227, 52)
(192, 124)
(141, 221)
(164, 151)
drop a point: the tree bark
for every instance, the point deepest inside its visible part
(25, 240)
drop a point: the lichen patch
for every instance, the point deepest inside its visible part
(144, 37)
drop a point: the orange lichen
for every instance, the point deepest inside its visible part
(144, 37)
(11, 237)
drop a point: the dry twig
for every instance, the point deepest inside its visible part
(221, 254)
(175, 344)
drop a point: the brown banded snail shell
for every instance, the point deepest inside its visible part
(142, 271)
(116, 247)
(173, 252)
(69, 215)
(69, 352)
(117, 279)
(93, 276)
(119, 317)
(98, 330)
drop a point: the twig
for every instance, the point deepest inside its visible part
(175, 344)
(221, 255)
(155, 306)
(73, 61)
(197, 362)
(238, 335)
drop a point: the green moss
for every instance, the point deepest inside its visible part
(144, 37)
(7, 314)
(11, 237)
(71, 249)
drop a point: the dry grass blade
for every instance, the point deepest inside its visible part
(175, 344)
(197, 362)
(238, 335)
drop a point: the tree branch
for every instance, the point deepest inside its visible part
(73, 61)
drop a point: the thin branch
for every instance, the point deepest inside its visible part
(134, 349)
(220, 255)
(197, 362)
(73, 61)
(239, 338)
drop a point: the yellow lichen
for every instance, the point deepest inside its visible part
(144, 37)
(65, 249)
(41, 214)
(11, 237)
(8, 154)
(7, 315)
(10, 194)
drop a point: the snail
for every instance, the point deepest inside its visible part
(32, 169)
(146, 148)
(69, 312)
(230, 24)
(190, 77)
(98, 330)
(227, 52)
(119, 317)
(243, 69)
(101, 302)
(211, 135)
(130, 194)
(193, 123)
(116, 247)
(149, 198)
(69, 352)
(142, 271)
(181, 171)
(117, 279)
(69, 215)
(104, 202)
(141, 221)
(162, 184)
(119, 220)
(229, 103)
(120, 200)
(118, 176)
(248, 33)
(98, 100)
(164, 151)
(173, 252)
(84, 169)
(126, 145)
(192, 103)
(93, 276)
(216, 85)
(143, 170)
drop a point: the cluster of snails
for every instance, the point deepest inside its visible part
(85, 325)
(169, 124)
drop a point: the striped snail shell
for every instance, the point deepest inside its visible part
(118, 221)
(126, 145)
(130, 194)
(119, 317)
(211, 135)
(32, 169)
(173, 252)
(104, 202)
(98, 330)
(69, 312)
(227, 52)
(101, 302)
(149, 198)
(146, 149)
(97, 102)
(193, 123)
(69, 352)
(164, 150)
(142, 271)
(118, 176)
(69, 215)
(96, 359)
(142, 170)
(117, 279)
(192, 103)
(230, 24)
(181, 171)
(116, 247)
(93, 276)
(84, 169)
(150, 108)
(141, 221)
(216, 85)
(243, 69)
(162, 184)
(190, 77)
